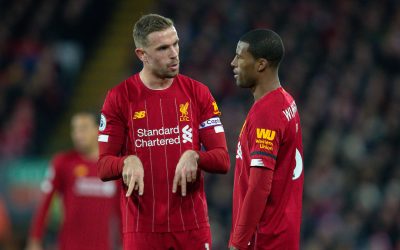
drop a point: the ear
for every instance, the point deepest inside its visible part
(141, 54)
(262, 64)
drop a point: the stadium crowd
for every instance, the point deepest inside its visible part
(43, 45)
(341, 65)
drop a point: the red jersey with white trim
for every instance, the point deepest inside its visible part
(271, 138)
(90, 206)
(158, 126)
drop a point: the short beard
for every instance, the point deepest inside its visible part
(166, 75)
(246, 85)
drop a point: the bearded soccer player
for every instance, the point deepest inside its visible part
(89, 205)
(152, 129)
(269, 177)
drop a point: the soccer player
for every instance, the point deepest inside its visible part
(153, 127)
(268, 181)
(89, 205)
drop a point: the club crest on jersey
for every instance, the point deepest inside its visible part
(103, 123)
(216, 110)
(183, 108)
(139, 115)
(81, 170)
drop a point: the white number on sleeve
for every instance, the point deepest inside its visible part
(299, 166)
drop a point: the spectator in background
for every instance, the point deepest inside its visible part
(89, 205)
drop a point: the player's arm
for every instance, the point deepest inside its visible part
(216, 158)
(264, 135)
(260, 182)
(49, 187)
(112, 164)
(109, 165)
(211, 134)
(111, 138)
(38, 223)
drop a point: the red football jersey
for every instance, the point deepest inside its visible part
(271, 138)
(158, 126)
(89, 205)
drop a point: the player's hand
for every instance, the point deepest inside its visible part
(186, 171)
(132, 174)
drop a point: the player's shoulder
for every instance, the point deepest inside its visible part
(272, 105)
(191, 83)
(274, 101)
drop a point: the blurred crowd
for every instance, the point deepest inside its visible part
(342, 65)
(42, 48)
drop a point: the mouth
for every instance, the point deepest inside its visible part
(174, 66)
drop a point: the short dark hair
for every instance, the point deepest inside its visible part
(265, 43)
(92, 115)
(148, 24)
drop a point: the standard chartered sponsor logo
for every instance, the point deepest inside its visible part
(93, 186)
(187, 134)
(162, 136)
(239, 152)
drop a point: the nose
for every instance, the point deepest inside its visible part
(233, 63)
(174, 52)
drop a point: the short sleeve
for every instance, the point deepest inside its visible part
(112, 125)
(264, 133)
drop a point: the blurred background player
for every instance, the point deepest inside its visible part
(152, 127)
(269, 175)
(5, 228)
(90, 207)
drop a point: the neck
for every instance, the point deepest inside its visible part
(266, 84)
(91, 154)
(153, 82)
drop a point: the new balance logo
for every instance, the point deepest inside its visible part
(139, 115)
(187, 134)
(263, 133)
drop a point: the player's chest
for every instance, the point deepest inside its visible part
(159, 121)
(162, 110)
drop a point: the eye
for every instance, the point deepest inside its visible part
(162, 48)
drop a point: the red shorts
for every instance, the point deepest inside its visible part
(196, 239)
